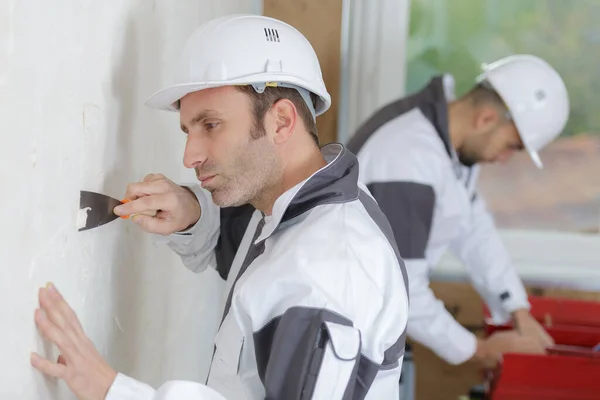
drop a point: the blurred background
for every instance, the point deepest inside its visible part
(457, 36)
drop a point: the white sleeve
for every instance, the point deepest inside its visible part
(126, 388)
(408, 198)
(196, 245)
(430, 323)
(488, 263)
(409, 207)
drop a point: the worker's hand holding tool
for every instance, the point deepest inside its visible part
(489, 351)
(528, 326)
(80, 365)
(160, 206)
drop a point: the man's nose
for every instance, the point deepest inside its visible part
(195, 152)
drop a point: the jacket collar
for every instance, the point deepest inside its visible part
(433, 100)
(436, 96)
(336, 182)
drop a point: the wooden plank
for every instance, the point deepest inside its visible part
(436, 379)
(320, 21)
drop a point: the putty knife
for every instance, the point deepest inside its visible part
(95, 209)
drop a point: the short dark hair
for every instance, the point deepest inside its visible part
(261, 102)
(483, 93)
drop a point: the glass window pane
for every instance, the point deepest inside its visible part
(457, 36)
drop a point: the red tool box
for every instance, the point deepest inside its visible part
(570, 370)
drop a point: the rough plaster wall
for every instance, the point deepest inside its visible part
(73, 78)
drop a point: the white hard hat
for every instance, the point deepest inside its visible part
(536, 98)
(246, 50)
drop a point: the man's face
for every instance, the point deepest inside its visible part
(233, 158)
(494, 139)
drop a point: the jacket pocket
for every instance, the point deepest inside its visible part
(339, 364)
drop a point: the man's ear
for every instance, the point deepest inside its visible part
(485, 117)
(285, 116)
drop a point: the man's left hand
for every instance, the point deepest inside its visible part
(530, 327)
(84, 370)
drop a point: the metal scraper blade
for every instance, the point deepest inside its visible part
(98, 208)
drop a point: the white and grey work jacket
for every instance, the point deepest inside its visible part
(316, 300)
(430, 199)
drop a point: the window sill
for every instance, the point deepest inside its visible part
(549, 259)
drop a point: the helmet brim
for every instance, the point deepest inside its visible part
(167, 98)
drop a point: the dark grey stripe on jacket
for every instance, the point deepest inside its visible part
(431, 101)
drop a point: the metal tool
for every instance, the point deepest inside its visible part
(96, 209)
(580, 351)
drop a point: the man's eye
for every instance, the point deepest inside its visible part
(209, 126)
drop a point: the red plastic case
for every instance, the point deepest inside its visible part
(570, 371)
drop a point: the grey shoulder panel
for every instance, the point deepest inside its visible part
(409, 208)
(234, 221)
(378, 215)
(431, 101)
(380, 118)
(335, 184)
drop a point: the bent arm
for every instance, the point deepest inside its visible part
(431, 324)
(488, 263)
(312, 351)
(331, 336)
(409, 204)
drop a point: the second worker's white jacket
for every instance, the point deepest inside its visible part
(431, 201)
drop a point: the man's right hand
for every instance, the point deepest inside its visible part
(160, 206)
(489, 351)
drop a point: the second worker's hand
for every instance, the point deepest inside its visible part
(158, 205)
(489, 350)
(527, 325)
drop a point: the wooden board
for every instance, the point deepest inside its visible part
(320, 21)
(436, 379)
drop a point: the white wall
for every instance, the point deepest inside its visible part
(73, 77)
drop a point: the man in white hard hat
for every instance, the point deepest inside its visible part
(419, 158)
(316, 301)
